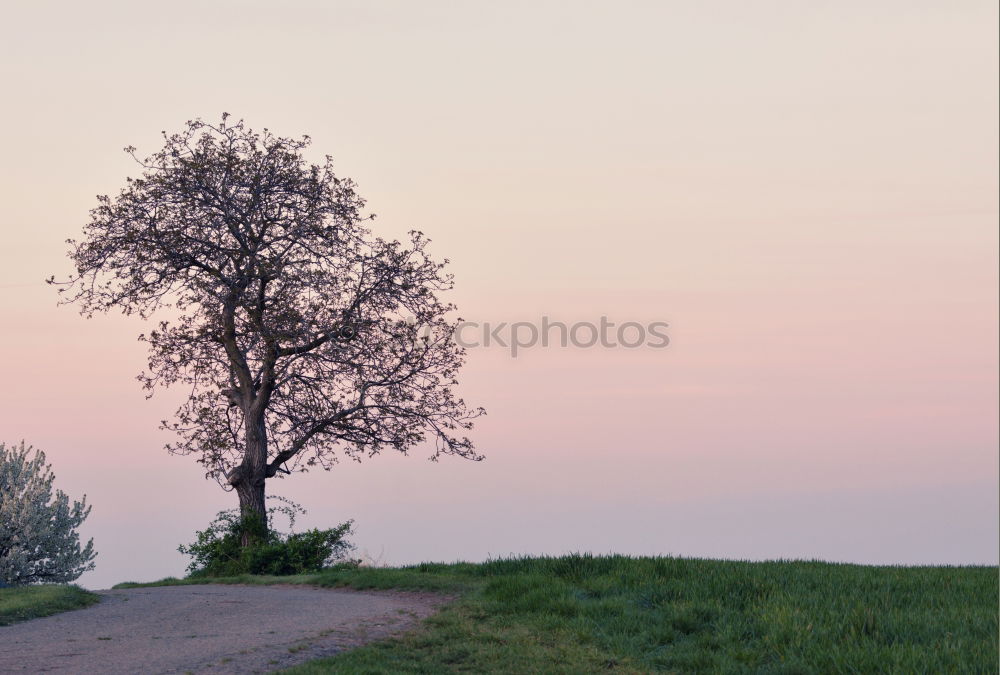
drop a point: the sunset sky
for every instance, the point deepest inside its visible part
(805, 191)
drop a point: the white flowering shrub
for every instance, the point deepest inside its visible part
(38, 538)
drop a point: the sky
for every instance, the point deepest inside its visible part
(806, 192)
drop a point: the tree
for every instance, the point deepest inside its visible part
(38, 538)
(299, 334)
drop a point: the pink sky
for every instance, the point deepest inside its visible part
(806, 192)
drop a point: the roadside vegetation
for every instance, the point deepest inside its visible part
(580, 613)
(39, 542)
(233, 545)
(29, 602)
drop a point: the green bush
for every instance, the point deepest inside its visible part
(219, 549)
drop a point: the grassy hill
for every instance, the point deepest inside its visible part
(583, 614)
(30, 602)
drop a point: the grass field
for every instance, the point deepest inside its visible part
(29, 602)
(583, 614)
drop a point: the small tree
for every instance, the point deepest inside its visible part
(38, 538)
(298, 333)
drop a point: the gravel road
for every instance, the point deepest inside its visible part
(208, 629)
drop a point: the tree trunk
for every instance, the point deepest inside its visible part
(251, 477)
(251, 494)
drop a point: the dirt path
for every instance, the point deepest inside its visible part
(208, 629)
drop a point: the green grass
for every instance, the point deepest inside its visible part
(584, 614)
(29, 602)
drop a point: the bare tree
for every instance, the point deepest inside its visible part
(300, 334)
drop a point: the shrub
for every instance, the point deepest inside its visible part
(218, 550)
(38, 538)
